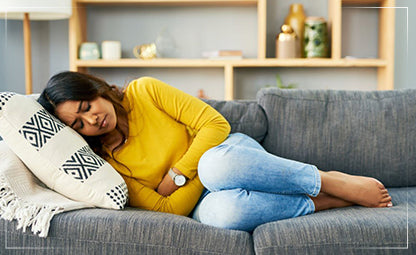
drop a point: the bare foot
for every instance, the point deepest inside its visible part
(361, 190)
(324, 201)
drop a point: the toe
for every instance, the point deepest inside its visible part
(385, 195)
(386, 199)
(387, 204)
(380, 185)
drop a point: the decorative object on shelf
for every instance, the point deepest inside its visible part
(202, 95)
(165, 45)
(296, 19)
(145, 51)
(316, 38)
(111, 50)
(27, 10)
(287, 43)
(280, 84)
(89, 51)
(223, 54)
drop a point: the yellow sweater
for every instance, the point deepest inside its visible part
(167, 128)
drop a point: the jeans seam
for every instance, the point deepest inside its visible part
(311, 205)
(317, 187)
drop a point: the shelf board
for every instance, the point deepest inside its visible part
(312, 62)
(172, 2)
(167, 62)
(362, 2)
(201, 63)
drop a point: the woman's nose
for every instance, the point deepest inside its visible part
(91, 119)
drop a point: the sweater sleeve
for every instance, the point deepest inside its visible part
(180, 202)
(210, 126)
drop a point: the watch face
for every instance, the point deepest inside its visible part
(180, 180)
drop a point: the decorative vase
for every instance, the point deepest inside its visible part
(166, 45)
(316, 38)
(296, 20)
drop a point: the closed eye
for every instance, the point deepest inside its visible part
(86, 110)
(75, 122)
(88, 107)
(81, 124)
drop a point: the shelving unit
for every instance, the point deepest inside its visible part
(384, 64)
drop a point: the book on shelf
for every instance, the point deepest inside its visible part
(223, 54)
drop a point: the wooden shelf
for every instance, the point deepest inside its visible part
(206, 63)
(384, 64)
(173, 2)
(316, 62)
(133, 62)
(362, 3)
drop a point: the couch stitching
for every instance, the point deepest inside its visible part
(330, 101)
(340, 244)
(113, 242)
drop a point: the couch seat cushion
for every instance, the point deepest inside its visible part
(130, 231)
(350, 230)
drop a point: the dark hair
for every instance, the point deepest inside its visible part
(76, 86)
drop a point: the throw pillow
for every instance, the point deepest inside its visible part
(58, 155)
(244, 116)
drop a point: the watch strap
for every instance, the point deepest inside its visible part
(172, 174)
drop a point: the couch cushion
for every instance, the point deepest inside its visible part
(131, 231)
(369, 133)
(244, 116)
(350, 230)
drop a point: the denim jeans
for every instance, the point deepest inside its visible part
(246, 186)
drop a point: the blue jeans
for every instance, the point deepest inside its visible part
(246, 186)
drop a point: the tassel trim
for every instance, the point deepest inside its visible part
(27, 214)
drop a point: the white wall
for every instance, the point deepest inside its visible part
(194, 30)
(405, 52)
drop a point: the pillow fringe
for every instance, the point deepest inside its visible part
(27, 214)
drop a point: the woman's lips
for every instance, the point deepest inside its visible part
(104, 122)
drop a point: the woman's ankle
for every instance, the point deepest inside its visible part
(324, 201)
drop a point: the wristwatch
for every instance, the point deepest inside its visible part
(178, 179)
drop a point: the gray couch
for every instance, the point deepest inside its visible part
(365, 133)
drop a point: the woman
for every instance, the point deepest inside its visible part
(164, 143)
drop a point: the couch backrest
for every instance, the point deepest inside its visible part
(369, 133)
(244, 116)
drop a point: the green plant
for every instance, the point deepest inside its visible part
(280, 84)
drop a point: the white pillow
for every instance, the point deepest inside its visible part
(58, 155)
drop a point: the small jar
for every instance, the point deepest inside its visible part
(316, 38)
(111, 50)
(89, 51)
(287, 43)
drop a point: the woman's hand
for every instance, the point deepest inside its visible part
(167, 186)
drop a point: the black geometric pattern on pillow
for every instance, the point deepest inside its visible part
(82, 164)
(40, 128)
(4, 97)
(119, 195)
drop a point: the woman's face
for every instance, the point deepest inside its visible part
(89, 118)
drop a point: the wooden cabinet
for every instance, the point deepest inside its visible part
(384, 63)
